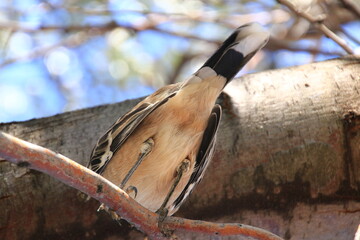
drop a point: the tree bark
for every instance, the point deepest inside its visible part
(287, 160)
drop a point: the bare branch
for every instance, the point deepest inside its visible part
(25, 154)
(15, 26)
(193, 16)
(103, 28)
(85, 33)
(318, 23)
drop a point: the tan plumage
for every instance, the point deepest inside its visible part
(177, 125)
(182, 120)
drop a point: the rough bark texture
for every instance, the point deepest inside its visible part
(287, 160)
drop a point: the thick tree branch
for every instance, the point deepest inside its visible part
(25, 154)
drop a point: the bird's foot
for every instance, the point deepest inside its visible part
(112, 213)
(131, 191)
(163, 212)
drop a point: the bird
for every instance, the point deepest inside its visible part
(159, 150)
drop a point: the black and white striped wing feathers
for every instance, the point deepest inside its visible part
(119, 132)
(203, 157)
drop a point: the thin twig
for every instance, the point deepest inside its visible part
(194, 16)
(29, 155)
(105, 27)
(85, 32)
(70, 28)
(318, 23)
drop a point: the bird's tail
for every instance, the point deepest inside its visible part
(237, 50)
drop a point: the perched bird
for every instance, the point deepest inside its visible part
(159, 150)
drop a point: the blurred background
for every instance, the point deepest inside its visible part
(63, 55)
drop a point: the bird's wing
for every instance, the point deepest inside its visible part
(203, 157)
(113, 139)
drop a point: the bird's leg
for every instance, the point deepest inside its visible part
(131, 189)
(182, 168)
(145, 149)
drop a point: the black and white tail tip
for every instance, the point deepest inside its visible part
(237, 50)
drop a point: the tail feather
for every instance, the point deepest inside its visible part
(237, 50)
(213, 60)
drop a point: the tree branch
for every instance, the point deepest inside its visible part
(318, 23)
(87, 32)
(25, 154)
(102, 27)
